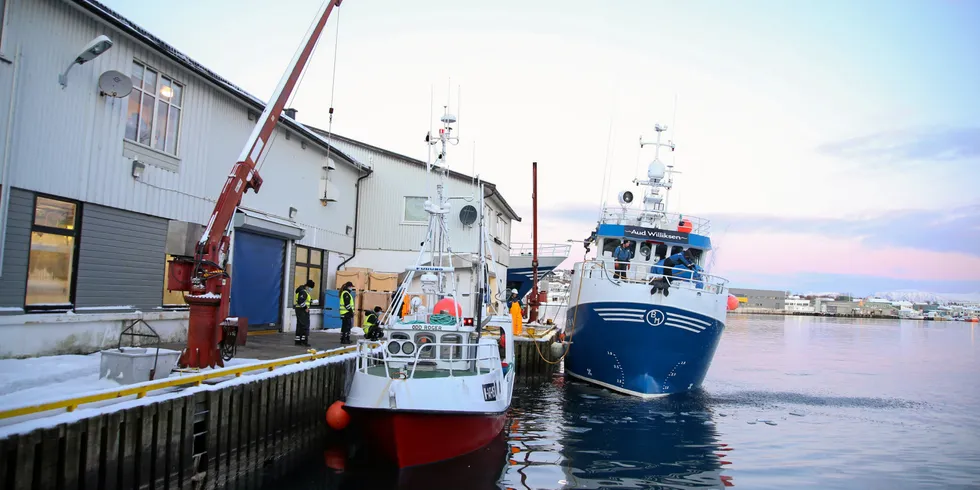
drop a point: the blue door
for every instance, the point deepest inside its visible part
(256, 285)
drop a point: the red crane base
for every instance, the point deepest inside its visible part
(203, 335)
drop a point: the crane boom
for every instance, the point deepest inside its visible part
(204, 280)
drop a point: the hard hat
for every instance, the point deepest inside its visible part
(513, 291)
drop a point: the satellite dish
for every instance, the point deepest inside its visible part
(467, 215)
(115, 84)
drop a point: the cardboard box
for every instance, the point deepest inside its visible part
(383, 281)
(375, 298)
(357, 277)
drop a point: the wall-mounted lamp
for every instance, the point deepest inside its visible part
(138, 167)
(292, 213)
(92, 50)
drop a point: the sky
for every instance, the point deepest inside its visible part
(834, 145)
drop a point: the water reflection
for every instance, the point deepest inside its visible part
(570, 435)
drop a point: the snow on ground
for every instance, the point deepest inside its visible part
(49, 378)
(28, 423)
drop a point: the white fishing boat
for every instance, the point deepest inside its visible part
(437, 389)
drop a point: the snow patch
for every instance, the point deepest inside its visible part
(100, 308)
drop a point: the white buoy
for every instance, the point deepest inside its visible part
(557, 349)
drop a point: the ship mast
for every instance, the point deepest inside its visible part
(653, 205)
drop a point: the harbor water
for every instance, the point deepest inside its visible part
(789, 402)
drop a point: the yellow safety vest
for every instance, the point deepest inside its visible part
(370, 322)
(344, 308)
(304, 304)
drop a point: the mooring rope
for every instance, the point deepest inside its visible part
(578, 297)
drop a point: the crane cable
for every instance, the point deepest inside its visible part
(333, 86)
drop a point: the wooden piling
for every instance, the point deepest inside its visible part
(207, 439)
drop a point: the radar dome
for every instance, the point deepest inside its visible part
(656, 170)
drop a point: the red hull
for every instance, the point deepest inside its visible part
(412, 439)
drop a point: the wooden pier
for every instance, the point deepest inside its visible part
(205, 437)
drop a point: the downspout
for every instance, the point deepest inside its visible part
(5, 187)
(357, 212)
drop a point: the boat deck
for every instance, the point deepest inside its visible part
(425, 372)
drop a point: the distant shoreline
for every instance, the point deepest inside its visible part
(835, 315)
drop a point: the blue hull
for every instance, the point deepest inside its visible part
(641, 349)
(521, 279)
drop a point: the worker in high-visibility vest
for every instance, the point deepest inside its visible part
(346, 312)
(372, 331)
(301, 305)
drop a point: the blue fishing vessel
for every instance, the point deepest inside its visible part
(644, 318)
(520, 273)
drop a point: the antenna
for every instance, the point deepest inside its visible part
(673, 124)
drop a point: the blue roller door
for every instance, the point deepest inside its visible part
(256, 286)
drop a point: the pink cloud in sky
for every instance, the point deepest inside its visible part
(784, 253)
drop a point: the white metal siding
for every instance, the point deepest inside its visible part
(70, 142)
(381, 214)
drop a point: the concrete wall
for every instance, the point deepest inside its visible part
(56, 334)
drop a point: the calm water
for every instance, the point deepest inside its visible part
(794, 402)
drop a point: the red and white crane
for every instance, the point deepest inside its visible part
(203, 278)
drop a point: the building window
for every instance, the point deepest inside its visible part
(171, 298)
(153, 117)
(309, 265)
(50, 272)
(415, 210)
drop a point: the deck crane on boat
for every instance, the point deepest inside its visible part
(211, 335)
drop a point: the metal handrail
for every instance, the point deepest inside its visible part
(544, 249)
(661, 219)
(413, 360)
(643, 275)
(141, 389)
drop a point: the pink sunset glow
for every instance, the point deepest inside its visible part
(771, 253)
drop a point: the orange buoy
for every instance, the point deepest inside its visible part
(337, 417)
(732, 302)
(448, 305)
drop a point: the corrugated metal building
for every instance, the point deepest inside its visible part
(760, 298)
(97, 190)
(392, 222)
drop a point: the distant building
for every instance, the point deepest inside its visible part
(840, 307)
(798, 304)
(760, 298)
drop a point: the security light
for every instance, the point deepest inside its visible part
(138, 167)
(92, 50)
(292, 213)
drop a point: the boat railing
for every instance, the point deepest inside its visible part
(642, 273)
(485, 358)
(544, 249)
(659, 219)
